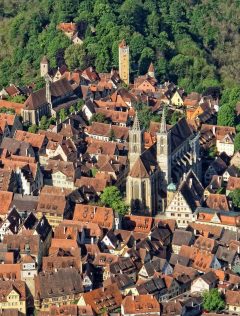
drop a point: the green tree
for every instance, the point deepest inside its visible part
(111, 197)
(175, 117)
(237, 142)
(213, 301)
(17, 99)
(212, 152)
(72, 109)
(80, 105)
(33, 129)
(147, 56)
(98, 117)
(44, 123)
(226, 115)
(63, 114)
(112, 136)
(235, 197)
(75, 56)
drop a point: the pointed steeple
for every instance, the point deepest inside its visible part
(136, 123)
(163, 127)
(151, 71)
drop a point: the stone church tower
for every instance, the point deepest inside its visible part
(123, 51)
(44, 67)
(164, 152)
(136, 142)
(144, 175)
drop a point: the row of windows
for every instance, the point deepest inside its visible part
(179, 215)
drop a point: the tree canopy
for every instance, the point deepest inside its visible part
(237, 142)
(189, 42)
(235, 196)
(213, 301)
(111, 197)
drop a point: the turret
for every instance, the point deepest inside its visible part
(171, 190)
(44, 66)
(164, 151)
(136, 141)
(151, 71)
(123, 51)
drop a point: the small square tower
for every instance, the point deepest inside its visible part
(124, 61)
(44, 67)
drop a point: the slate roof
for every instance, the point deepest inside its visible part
(38, 98)
(182, 237)
(225, 254)
(179, 133)
(192, 190)
(65, 281)
(16, 147)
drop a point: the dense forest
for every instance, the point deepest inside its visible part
(194, 43)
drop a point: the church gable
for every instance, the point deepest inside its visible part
(178, 205)
(139, 170)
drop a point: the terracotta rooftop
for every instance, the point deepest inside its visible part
(102, 129)
(67, 27)
(232, 298)
(100, 147)
(98, 299)
(203, 261)
(217, 202)
(102, 216)
(17, 107)
(5, 202)
(10, 271)
(7, 286)
(140, 304)
(205, 244)
(233, 183)
(9, 118)
(141, 224)
(36, 140)
(65, 244)
(97, 184)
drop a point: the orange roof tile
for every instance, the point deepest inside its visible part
(102, 216)
(217, 202)
(5, 202)
(36, 140)
(12, 105)
(141, 304)
(109, 296)
(139, 224)
(9, 118)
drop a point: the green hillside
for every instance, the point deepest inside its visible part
(194, 43)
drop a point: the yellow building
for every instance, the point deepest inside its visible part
(124, 61)
(13, 295)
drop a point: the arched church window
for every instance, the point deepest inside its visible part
(134, 138)
(161, 145)
(136, 191)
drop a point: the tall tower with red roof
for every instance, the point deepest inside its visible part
(124, 61)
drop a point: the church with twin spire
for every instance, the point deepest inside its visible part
(152, 170)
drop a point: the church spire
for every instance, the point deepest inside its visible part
(163, 127)
(136, 123)
(151, 71)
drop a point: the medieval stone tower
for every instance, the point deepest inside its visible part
(164, 152)
(123, 51)
(44, 67)
(136, 142)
